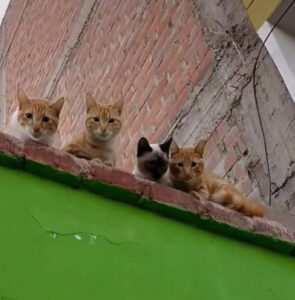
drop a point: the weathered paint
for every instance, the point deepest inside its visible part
(62, 243)
(260, 10)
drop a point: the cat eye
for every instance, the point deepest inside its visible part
(45, 119)
(193, 164)
(29, 116)
(111, 120)
(180, 165)
(96, 119)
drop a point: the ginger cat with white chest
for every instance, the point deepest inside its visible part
(97, 142)
(187, 173)
(35, 119)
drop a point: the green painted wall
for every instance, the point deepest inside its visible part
(59, 243)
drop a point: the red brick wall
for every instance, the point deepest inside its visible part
(34, 35)
(151, 51)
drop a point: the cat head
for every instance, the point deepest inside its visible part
(38, 118)
(186, 163)
(103, 122)
(152, 159)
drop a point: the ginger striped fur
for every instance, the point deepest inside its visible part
(187, 172)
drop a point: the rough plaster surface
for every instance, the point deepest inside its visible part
(226, 93)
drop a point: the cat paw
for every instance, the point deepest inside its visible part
(97, 160)
(109, 163)
(195, 195)
(199, 197)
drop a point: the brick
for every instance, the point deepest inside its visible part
(114, 177)
(161, 130)
(222, 129)
(230, 159)
(240, 171)
(225, 164)
(215, 138)
(9, 144)
(166, 194)
(245, 186)
(272, 228)
(219, 213)
(211, 145)
(213, 159)
(155, 107)
(175, 108)
(233, 138)
(58, 159)
(138, 120)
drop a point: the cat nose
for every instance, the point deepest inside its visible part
(186, 171)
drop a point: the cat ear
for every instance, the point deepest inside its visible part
(200, 147)
(90, 102)
(119, 105)
(143, 147)
(173, 148)
(57, 106)
(22, 98)
(165, 146)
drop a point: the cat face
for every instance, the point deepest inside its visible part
(38, 118)
(103, 122)
(152, 160)
(186, 163)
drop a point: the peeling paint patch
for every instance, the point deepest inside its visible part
(53, 235)
(78, 237)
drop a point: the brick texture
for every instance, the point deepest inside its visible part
(153, 52)
(35, 35)
(225, 155)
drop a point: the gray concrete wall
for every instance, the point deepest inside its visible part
(226, 93)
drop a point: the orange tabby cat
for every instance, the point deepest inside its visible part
(103, 124)
(187, 173)
(35, 120)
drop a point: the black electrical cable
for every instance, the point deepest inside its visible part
(249, 5)
(255, 96)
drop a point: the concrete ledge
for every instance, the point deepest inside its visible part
(42, 160)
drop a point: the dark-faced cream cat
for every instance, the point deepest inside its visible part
(35, 119)
(152, 159)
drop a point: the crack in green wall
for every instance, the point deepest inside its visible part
(49, 251)
(126, 196)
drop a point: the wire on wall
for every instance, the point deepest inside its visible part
(255, 95)
(250, 4)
